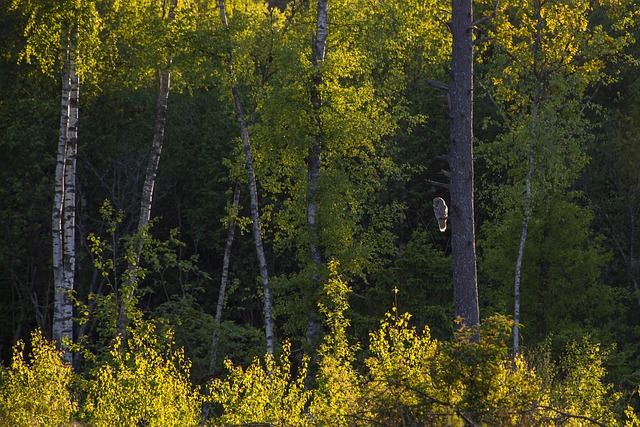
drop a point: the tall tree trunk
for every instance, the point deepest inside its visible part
(146, 201)
(64, 215)
(253, 191)
(461, 212)
(528, 182)
(314, 161)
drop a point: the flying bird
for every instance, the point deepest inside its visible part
(441, 211)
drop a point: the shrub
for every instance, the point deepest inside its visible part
(144, 384)
(35, 389)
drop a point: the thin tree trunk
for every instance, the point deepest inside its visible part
(528, 183)
(215, 337)
(523, 240)
(461, 213)
(314, 161)
(146, 201)
(223, 280)
(63, 216)
(253, 192)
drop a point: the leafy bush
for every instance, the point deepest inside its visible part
(35, 390)
(145, 383)
(265, 393)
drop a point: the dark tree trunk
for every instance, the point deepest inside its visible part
(461, 212)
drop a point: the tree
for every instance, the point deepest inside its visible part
(314, 158)
(253, 186)
(146, 201)
(59, 35)
(461, 212)
(544, 70)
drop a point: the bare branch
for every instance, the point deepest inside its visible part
(488, 17)
(569, 415)
(438, 85)
(486, 90)
(437, 183)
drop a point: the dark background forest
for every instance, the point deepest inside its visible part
(555, 110)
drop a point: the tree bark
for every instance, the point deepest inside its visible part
(528, 182)
(461, 213)
(146, 201)
(63, 215)
(314, 161)
(253, 192)
(223, 281)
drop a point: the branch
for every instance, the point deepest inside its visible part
(568, 415)
(437, 183)
(497, 106)
(438, 85)
(445, 173)
(488, 17)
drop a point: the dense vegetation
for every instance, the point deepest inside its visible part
(291, 226)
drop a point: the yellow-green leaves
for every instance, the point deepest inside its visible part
(35, 389)
(266, 392)
(144, 384)
(55, 25)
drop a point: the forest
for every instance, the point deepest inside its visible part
(319, 213)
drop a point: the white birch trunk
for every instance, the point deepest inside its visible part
(63, 218)
(223, 281)
(253, 193)
(146, 200)
(527, 202)
(314, 162)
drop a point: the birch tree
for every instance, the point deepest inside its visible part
(252, 182)
(545, 69)
(314, 158)
(146, 200)
(324, 131)
(62, 38)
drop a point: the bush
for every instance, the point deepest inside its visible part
(144, 384)
(35, 390)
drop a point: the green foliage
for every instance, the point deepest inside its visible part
(338, 383)
(266, 392)
(562, 291)
(53, 25)
(411, 378)
(35, 389)
(146, 383)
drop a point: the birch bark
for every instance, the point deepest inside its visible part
(314, 161)
(528, 182)
(63, 216)
(223, 280)
(253, 191)
(461, 213)
(146, 200)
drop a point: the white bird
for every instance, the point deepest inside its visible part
(441, 211)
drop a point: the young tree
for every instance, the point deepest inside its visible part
(314, 159)
(540, 86)
(146, 201)
(253, 186)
